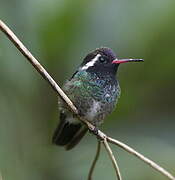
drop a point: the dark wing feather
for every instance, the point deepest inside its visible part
(68, 134)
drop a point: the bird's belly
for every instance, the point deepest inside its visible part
(94, 111)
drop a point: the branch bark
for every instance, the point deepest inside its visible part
(141, 157)
(95, 160)
(19, 45)
(114, 162)
(12, 37)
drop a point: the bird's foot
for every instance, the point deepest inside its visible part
(94, 131)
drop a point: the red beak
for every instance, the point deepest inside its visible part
(119, 61)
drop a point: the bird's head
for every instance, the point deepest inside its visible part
(103, 60)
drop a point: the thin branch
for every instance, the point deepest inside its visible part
(114, 162)
(12, 37)
(36, 65)
(95, 160)
(140, 156)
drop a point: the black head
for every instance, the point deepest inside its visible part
(104, 61)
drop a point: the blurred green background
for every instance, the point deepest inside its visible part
(60, 33)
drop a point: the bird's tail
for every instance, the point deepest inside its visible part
(68, 134)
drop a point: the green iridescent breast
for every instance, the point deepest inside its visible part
(87, 85)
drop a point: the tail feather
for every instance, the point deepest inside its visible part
(76, 138)
(68, 134)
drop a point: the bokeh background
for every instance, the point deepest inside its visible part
(60, 33)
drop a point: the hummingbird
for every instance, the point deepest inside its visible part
(94, 90)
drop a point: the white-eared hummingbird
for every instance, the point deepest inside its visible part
(94, 90)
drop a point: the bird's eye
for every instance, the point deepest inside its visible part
(102, 59)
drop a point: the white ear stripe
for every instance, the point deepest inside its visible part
(91, 63)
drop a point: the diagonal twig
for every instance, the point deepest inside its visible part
(95, 160)
(12, 37)
(140, 156)
(114, 162)
(36, 65)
